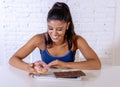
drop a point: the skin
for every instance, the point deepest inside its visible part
(56, 30)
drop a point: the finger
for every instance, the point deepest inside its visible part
(31, 74)
(31, 65)
(50, 64)
(31, 68)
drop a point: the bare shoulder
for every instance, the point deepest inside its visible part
(80, 41)
(37, 39)
(37, 36)
(78, 37)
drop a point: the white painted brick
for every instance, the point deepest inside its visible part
(21, 19)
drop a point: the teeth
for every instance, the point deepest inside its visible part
(55, 37)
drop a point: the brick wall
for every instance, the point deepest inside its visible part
(21, 19)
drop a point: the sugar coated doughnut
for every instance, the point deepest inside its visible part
(41, 67)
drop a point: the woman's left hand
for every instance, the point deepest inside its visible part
(57, 64)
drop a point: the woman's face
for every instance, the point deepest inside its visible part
(57, 29)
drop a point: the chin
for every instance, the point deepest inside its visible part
(55, 40)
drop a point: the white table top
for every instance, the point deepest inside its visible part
(107, 77)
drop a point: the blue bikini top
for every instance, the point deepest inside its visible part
(47, 57)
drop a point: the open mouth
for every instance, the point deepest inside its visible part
(55, 38)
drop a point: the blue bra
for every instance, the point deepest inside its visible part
(47, 58)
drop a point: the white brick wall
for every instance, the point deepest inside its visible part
(21, 19)
(116, 59)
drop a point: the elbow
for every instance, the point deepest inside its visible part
(98, 65)
(10, 61)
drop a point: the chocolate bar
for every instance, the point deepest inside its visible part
(69, 74)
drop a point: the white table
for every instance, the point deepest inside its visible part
(107, 77)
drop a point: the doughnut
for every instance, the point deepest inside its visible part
(40, 67)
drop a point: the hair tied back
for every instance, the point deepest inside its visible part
(59, 4)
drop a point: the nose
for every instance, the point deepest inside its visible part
(54, 32)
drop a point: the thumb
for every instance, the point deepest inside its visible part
(31, 65)
(31, 68)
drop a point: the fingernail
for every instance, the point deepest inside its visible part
(31, 75)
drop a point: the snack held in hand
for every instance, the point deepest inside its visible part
(41, 67)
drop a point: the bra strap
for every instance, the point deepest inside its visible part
(45, 41)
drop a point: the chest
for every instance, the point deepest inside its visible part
(58, 50)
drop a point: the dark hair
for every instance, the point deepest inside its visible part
(60, 11)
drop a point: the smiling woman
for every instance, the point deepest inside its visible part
(57, 30)
(58, 45)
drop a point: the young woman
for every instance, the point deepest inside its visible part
(58, 45)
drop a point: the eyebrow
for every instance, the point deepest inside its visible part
(57, 27)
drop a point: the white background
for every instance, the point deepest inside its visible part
(96, 20)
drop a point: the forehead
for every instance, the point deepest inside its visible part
(56, 22)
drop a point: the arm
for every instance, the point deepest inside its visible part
(17, 59)
(92, 60)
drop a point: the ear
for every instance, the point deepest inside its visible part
(68, 25)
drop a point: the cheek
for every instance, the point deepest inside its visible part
(50, 32)
(61, 33)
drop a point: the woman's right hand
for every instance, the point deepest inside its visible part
(31, 70)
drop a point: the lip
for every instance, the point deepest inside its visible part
(54, 38)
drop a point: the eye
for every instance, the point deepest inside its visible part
(50, 28)
(59, 29)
